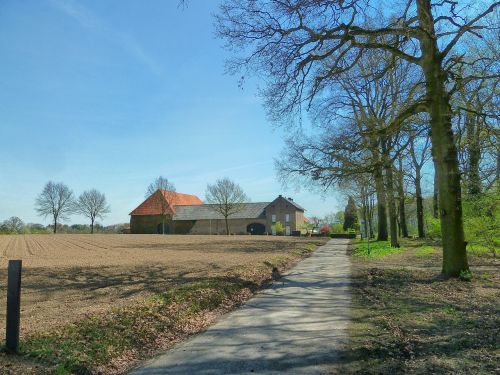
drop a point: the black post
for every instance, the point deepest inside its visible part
(13, 306)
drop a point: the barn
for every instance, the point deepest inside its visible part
(188, 215)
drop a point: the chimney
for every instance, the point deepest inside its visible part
(281, 196)
(290, 199)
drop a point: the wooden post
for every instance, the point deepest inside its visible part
(13, 306)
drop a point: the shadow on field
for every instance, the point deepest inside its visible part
(222, 246)
(54, 297)
(95, 281)
(417, 323)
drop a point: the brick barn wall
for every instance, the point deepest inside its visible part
(236, 226)
(299, 220)
(146, 224)
(183, 226)
(280, 208)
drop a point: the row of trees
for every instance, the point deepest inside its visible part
(59, 202)
(387, 88)
(15, 225)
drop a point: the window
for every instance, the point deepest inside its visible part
(287, 218)
(273, 218)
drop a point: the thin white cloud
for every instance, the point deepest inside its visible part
(92, 22)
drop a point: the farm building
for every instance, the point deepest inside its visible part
(188, 215)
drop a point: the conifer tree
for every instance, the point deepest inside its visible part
(350, 215)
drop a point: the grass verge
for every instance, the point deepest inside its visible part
(374, 249)
(98, 340)
(407, 319)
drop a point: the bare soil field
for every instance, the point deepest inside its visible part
(66, 277)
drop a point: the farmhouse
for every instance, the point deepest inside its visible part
(188, 215)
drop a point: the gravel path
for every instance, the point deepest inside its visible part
(295, 326)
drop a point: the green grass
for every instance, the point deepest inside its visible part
(95, 340)
(480, 250)
(378, 249)
(425, 250)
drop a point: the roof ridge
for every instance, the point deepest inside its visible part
(213, 204)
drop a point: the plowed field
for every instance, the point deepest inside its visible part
(68, 276)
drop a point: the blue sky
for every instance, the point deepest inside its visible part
(111, 94)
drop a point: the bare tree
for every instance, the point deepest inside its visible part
(55, 200)
(399, 172)
(92, 204)
(226, 197)
(290, 41)
(13, 225)
(359, 139)
(418, 151)
(162, 193)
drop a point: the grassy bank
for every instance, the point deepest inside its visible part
(407, 319)
(113, 341)
(374, 249)
(131, 332)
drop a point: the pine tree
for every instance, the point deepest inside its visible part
(350, 215)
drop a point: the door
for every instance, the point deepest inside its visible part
(256, 228)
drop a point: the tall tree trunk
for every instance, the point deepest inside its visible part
(390, 199)
(401, 196)
(435, 197)
(370, 216)
(365, 217)
(473, 154)
(444, 152)
(364, 208)
(227, 226)
(91, 226)
(498, 160)
(55, 225)
(420, 203)
(382, 234)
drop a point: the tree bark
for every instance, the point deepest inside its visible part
(498, 161)
(444, 152)
(382, 234)
(365, 218)
(435, 198)
(227, 226)
(393, 226)
(92, 226)
(473, 154)
(420, 203)
(364, 209)
(370, 216)
(402, 208)
(55, 225)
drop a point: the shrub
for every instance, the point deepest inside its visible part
(278, 228)
(465, 276)
(482, 220)
(433, 227)
(337, 228)
(325, 229)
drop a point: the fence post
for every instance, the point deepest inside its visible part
(13, 306)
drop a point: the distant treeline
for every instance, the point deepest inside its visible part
(15, 225)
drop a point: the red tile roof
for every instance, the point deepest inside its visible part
(152, 206)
